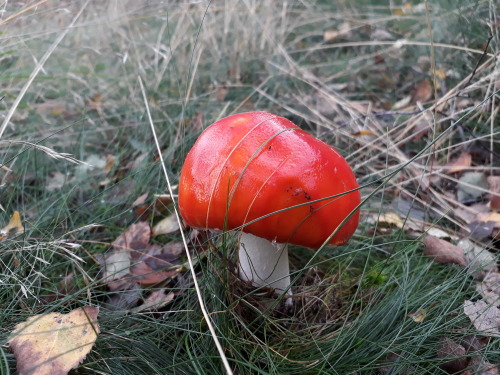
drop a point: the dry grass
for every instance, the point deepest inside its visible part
(399, 91)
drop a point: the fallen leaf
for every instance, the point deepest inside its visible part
(402, 103)
(463, 161)
(489, 288)
(115, 265)
(125, 297)
(166, 226)
(469, 213)
(443, 252)
(156, 263)
(96, 102)
(494, 187)
(14, 227)
(53, 344)
(418, 316)
(439, 73)
(136, 237)
(479, 261)
(490, 216)
(484, 316)
(140, 200)
(455, 353)
(155, 301)
(478, 366)
(110, 163)
(390, 219)
(220, 93)
(468, 186)
(421, 127)
(55, 181)
(423, 91)
(332, 35)
(439, 233)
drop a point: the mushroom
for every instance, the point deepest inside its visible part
(245, 170)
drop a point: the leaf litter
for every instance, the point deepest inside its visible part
(133, 264)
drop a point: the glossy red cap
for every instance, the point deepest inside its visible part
(249, 165)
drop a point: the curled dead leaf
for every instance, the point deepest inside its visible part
(14, 226)
(463, 161)
(423, 91)
(443, 251)
(155, 301)
(455, 353)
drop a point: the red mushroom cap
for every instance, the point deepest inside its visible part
(248, 165)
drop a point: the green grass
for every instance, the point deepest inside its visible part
(200, 62)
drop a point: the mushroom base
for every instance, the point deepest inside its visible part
(264, 263)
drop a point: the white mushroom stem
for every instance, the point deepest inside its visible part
(264, 263)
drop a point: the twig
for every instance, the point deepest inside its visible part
(485, 52)
(191, 266)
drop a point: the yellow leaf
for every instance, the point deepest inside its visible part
(53, 344)
(440, 73)
(490, 216)
(13, 225)
(419, 316)
(391, 219)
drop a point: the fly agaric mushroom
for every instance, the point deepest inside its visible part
(249, 165)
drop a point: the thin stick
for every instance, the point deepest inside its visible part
(195, 281)
(38, 67)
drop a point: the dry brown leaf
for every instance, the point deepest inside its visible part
(490, 216)
(96, 102)
(484, 316)
(166, 226)
(140, 200)
(463, 161)
(115, 265)
(156, 263)
(423, 91)
(220, 93)
(14, 227)
(449, 349)
(155, 301)
(494, 182)
(54, 343)
(443, 251)
(136, 237)
(489, 288)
